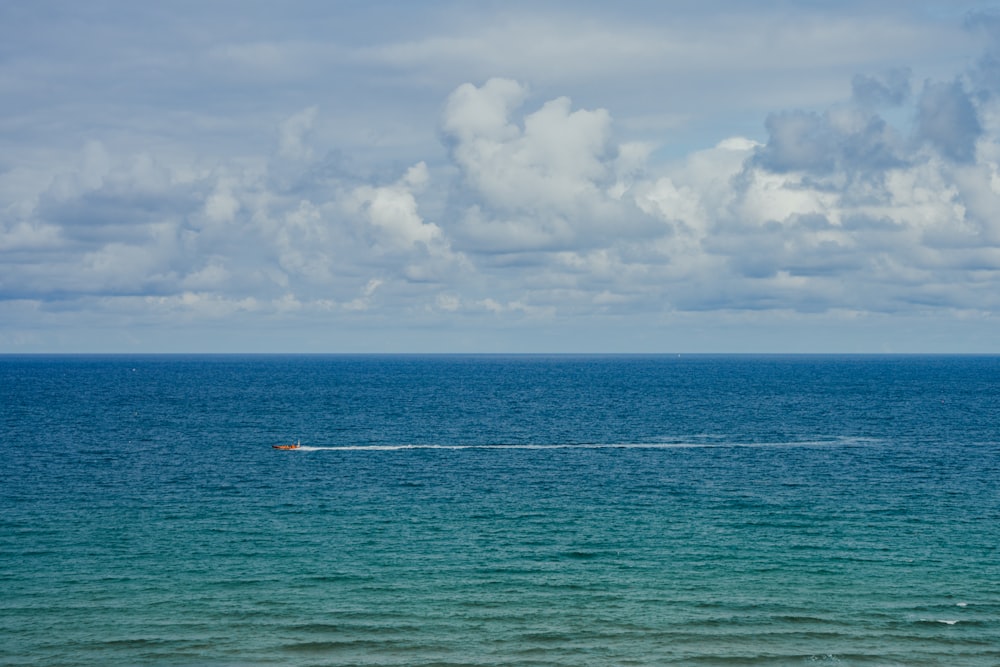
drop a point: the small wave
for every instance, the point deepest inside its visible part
(945, 621)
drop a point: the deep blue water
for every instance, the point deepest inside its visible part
(516, 510)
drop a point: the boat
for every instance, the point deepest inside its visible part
(295, 446)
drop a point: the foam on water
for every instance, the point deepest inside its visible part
(843, 441)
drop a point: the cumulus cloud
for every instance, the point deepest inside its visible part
(392, 212)
(549, 180)
(555, 160)
(419, 249)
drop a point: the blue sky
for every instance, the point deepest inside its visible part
(500, 177)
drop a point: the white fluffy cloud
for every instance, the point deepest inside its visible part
(548, 180)
(557, 160)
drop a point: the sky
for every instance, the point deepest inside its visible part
(704, 176)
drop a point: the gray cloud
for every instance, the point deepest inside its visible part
(891, 89)
(843, 139)
(798, 141)
(947, 119)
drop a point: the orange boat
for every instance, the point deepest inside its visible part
(295, 446)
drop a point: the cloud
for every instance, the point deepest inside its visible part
(392, 212)
(550, 180)
(843, 138)
(892, 89)
(948, 120)
(556, 160)
(294, 132)
(364, 302)
(419, 249)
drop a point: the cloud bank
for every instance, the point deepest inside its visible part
(532, 211)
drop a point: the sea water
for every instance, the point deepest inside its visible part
(499, 510)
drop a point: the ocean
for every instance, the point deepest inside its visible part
(499, 510)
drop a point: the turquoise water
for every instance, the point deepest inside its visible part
(490, 510)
